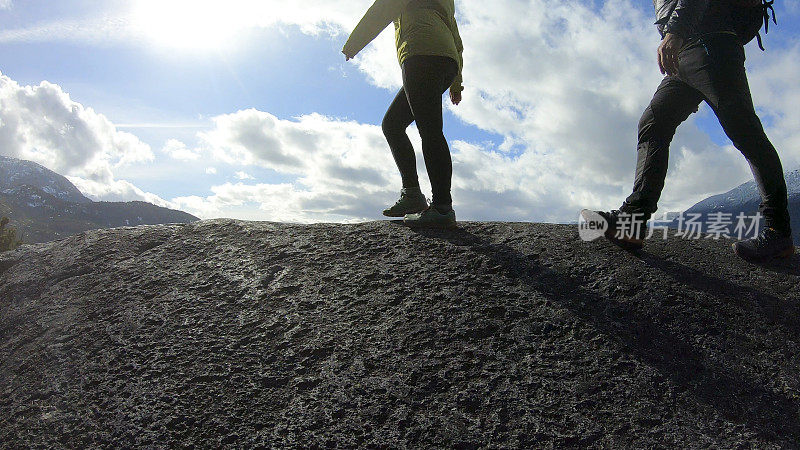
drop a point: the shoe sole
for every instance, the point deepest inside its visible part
(431, 225)
(627, 242)
(786, 254)
(402, 215)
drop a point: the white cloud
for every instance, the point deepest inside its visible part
(773, 79)
(116, 191)
(566, 83)
(102, 31)
(379, 62)
(343, 170)
(6, 4)
(278, 203)
(187, 21)
(275, 202)
(568, 98)
(243, 176)
(42, 124)
(178, 150)
(211, 170)
(322, 151)
(563, 83)
(565, 99)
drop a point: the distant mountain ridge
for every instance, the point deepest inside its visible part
(16, 173)
(44, 205)
(746, 198)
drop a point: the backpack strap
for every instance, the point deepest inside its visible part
(768, 6)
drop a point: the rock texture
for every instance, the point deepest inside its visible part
(226, 333)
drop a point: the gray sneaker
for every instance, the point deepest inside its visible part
(410, 202)
(770, 244)
(431, 218)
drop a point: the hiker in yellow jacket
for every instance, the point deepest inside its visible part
(429, 49)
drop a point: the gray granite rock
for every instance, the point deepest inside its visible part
(494, 335)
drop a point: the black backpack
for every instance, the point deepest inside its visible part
(748, 20)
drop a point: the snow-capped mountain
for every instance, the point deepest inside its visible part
(745, 194)
(746, 198)
(15, 173)
(43, 205)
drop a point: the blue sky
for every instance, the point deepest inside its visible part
(528, 147)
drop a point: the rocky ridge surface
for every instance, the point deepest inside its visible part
(239, 334)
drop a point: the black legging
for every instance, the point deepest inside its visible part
(425, 79)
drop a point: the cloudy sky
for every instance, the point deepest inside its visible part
(247, 109)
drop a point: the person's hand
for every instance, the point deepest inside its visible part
(668, 54)
(348, 52)
(455, 97)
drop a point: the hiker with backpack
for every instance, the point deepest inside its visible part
(429, 50)
(702, 56)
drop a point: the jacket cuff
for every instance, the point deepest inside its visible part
(673, 27)
(347, 50)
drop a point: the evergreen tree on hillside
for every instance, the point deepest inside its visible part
(8, 236)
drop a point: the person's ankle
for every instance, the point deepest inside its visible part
(783, 231)
(443, 209)
(412, 190)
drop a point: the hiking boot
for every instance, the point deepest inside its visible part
(623, 229)
(431, 218)
(770, 244)
(411, 201)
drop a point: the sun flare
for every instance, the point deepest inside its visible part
(187, 24)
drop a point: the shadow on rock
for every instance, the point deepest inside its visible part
(789, 266)
(783, 311)
(643, 331)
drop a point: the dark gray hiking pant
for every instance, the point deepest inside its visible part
(711, 70)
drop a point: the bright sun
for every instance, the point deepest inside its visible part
(187, 24)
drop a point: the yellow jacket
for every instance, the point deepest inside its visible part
(422, 27)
